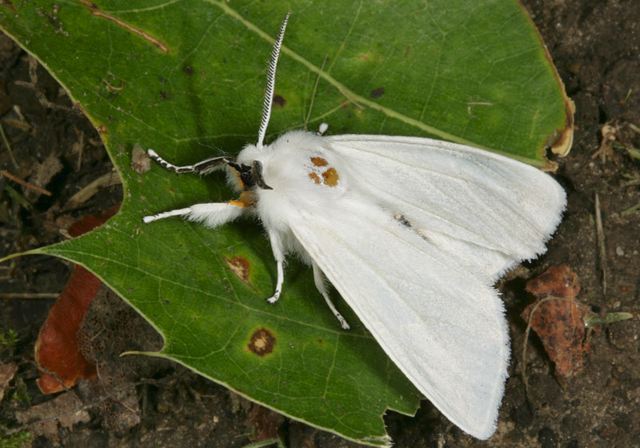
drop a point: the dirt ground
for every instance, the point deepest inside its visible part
(145, 402)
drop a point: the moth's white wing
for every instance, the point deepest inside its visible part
(486, 210)
(442, 326)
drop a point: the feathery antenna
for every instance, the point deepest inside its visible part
(271, 82)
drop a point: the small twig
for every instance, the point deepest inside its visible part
(24, 183)
(79, 147)
(5, 140)
(630, 210)
(28, 295)
(17, 197)
(17, 124)
(602, 250)
(632, 182)
(88, 191)
(525, 379)
(264, 443)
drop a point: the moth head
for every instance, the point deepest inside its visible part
(250, 175)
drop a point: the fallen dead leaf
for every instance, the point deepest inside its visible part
(43, 174)
(264, 423)
(7, 372)
(43, 419)
(57, 349)
(557, 281)
(558, 319)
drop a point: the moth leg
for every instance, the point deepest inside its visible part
(278, 254)
(205, 166)
(319, 279)
(210, 214)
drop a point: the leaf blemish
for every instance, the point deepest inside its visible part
(188, 70)
(262, 342)
(377, 92)
(140, 161)
(96, 11)
(279, 101)
(239, 266)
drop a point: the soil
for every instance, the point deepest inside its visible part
(145, 402)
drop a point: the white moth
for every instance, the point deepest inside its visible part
(412, 232)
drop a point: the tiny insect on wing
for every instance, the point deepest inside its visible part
(412, 232)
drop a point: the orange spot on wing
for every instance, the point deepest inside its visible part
(314, 177)
(319, 161)
(331, 177)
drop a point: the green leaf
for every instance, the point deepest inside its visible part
(187, 80)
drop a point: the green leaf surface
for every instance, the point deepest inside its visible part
(187, 78)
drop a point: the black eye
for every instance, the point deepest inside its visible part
(256, 169)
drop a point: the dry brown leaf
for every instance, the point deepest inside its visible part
(558, 319)
(43, 419)
(7, 372)
(57, 350)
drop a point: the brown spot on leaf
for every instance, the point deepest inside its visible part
(239, 266)
(377, 92)
(188, 70)
(262, 342)
(331, 177)
(279, 101)
(319, 161)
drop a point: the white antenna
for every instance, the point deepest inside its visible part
(271, 82)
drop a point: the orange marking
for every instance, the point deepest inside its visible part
(246, 199)
(319, 161)
(314, 177)
(237, 179)
(331, 177)
(237, 203)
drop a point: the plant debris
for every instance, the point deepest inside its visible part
(559, 319)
